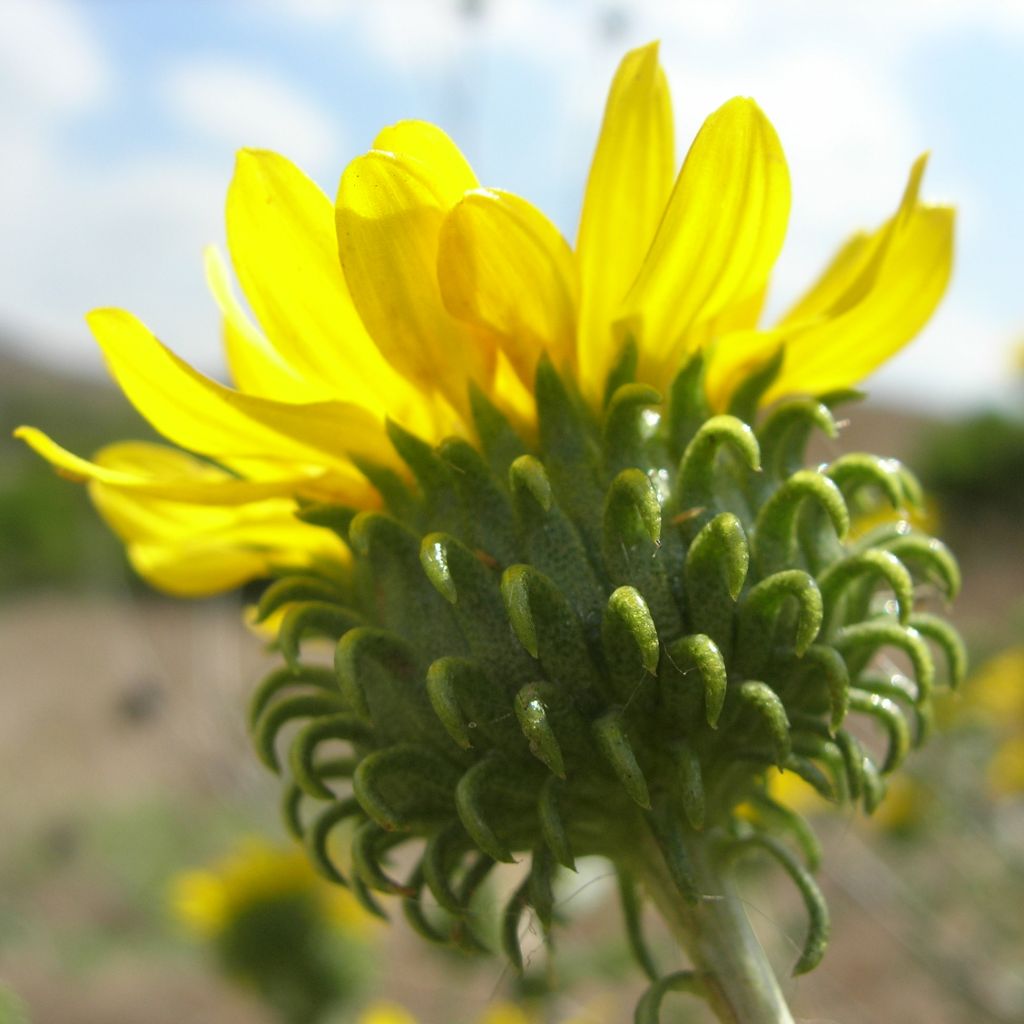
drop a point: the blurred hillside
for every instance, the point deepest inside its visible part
(49, 535)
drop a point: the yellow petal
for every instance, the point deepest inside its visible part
(514, 398)
(450, 173)
(206, 417)
(282, 242)
(256, 366)
(628, 187)
(160, 472)
(735, 357)
(389, 215)
(878, 291)
(195, 550)
(167, 472)
(504, 267)
(718, 240)
(839, 351)
(855, 267)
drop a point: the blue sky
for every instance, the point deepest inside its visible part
(119, 120)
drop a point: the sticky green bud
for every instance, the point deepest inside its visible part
(601, 644)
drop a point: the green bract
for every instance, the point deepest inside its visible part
(599, 642)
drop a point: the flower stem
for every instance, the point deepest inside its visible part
(740, 985)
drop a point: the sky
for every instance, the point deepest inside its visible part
(119, 120)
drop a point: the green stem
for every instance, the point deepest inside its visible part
(740, 985)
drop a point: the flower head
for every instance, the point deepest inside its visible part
(277, 928)
(208, 901)
(584, 597)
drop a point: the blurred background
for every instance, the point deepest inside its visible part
(127, 788)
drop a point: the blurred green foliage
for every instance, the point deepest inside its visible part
(975, 465)
(50, 536)
(12, 1009)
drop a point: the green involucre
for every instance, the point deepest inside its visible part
(552, 650)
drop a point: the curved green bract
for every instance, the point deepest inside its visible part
(295, 589)
(817, 910)
(882, 565)
(610, 632)
(785, 432)
(688, 654)
(648, 1010)
(614, 745)
(698, 471)
(302, 753)
(763, 607)
(775, 527)
(856, 471)
(632, 914)
(313, 618)
(473, 805)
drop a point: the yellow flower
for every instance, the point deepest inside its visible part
(905, 806)
(924, 518)
(418, 285)
(1006, 769)
(392, 1013)
(387, 1013)
(995, 696)
(996, 690)
(790, 790)
(207, 900)
(504, 1013)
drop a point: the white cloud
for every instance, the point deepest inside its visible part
(50, 57)
(131, 236)
(239, 105)
(915, 18)
(405, 33)
(960, 360)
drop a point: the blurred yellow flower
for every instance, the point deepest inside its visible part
(505, 1013)
(497, 1013)
(995, 696)
(996, 690)
(207, 900)
(418, 285)
(1006, 769)
(790, 790)
(924, 518)
(386, 1013)
(904, 807)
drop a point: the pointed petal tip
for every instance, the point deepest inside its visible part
(101, 316)
(911, 193)
(391, 133)
(244, 154)
(746, 106)
(248, 159)
(647, 54)
(641, 64)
